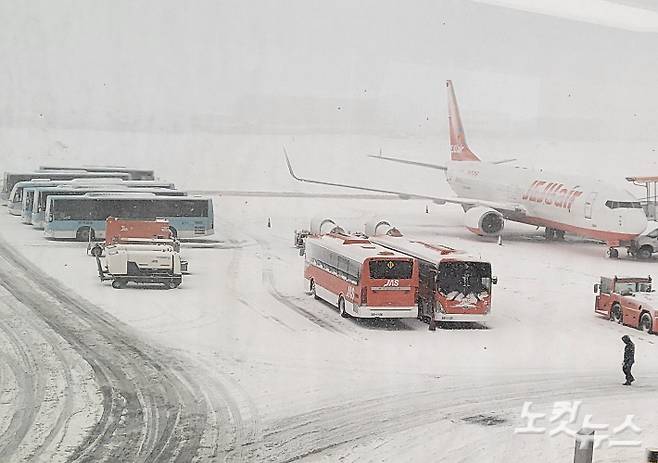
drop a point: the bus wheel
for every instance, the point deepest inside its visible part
(174, 232)
(172, 284)
(119, 284)
(85, 234)
(613, 253)
(96, 251)
(615, 314)
(315, 296)
(341, 308)
(644, 252)
(646, 324)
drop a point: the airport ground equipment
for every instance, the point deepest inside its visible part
(629, 301)
(121, 230)
(142, 264)
(300, 236)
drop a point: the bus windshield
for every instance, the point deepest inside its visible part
(464, 277)
(390, 269)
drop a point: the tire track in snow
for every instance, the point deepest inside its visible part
(234, 264)
(361, 422)
(151, 407)
(268, 281)
(38, 372)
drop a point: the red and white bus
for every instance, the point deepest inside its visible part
(453, 286)
(362, 279)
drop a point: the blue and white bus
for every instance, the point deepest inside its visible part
(24, 191)
(11, 178)
(15, 201)
(41, 195)
(83, 217)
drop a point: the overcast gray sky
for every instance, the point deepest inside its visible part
(373, 66)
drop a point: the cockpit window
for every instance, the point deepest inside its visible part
(623, 204)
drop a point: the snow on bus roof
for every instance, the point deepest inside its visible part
(355, 248)
(429, 252)
(628, 278)
(127, 195)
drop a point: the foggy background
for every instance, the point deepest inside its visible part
(219, 86)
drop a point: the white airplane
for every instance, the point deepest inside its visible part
(491, 193)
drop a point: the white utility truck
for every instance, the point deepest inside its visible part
(140, 263)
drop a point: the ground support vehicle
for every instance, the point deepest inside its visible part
(300, 236)
(629, 301)
(138, 232)
(645, 245)
(142, 264)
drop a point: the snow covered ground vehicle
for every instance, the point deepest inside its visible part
(628, 300)
(453, 286)
(645, 245)
(300, 236)
(140, 263)
(121, 230)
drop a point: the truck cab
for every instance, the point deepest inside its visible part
(630, 301)
(645, 245)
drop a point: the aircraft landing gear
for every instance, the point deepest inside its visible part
(551, 234)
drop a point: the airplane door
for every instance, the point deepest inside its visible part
(588, 205)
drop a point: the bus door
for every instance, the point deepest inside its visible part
(426, 288)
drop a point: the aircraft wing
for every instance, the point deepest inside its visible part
(415, 163)
(427, 164)
(504, 208)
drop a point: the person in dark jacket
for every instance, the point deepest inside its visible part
(629, 359)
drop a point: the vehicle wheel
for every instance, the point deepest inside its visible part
(172, 284)
(174, 232)
(613, 253)
(96, 251)
(119, 284)
(646, 323)
(420, 310)
(644, 252)
(341, 308)
(559, 235)
(85, 234)
(549, 234)
(315, 296)
(616, 314)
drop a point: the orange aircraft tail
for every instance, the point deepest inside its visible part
(459, 150)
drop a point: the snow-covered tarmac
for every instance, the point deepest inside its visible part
(299, 381)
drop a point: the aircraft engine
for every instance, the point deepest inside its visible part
(484, 221)
(324, 225)
(376, 227)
